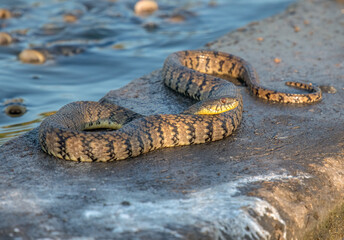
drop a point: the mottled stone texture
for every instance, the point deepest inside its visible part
(277, 177)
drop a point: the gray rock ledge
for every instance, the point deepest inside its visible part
(277, 177)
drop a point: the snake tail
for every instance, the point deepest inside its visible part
(229, 66)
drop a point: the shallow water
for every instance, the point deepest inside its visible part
(118, 47)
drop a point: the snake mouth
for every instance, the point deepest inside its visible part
(218, 106)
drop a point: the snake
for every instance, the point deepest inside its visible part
(79, 131)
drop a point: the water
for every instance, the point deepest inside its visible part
(118, 47)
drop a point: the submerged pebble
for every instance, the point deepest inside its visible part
(178, 15)
(150, 26)
(52, 28)
(70, 18)
(65, 50)
(14, 107)
(177, 18)
(5, 38)
(145, 7)
(118, 46)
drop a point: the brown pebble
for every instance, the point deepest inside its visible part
(5, 38)
(15, 107)
(70, 18)
(145, 7)
(260, 39)
(277, 60)
(176, 19)
(5, 14)
(306, 22)
(32, 56)
(118, 46)
(297, 29)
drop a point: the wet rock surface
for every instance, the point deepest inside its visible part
(278, 176)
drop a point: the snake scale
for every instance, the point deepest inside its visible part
(196, 74)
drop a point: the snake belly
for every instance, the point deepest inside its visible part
(196, 74)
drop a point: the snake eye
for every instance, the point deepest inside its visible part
(223, 100)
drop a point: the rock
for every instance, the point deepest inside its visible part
(41, 55)
(5, 38)
(15, 107)
(5, 13)
(145, 7)
(279, 176)
(32, 56)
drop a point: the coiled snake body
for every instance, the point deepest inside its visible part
(214, 117)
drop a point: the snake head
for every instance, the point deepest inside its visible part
(213, 106)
